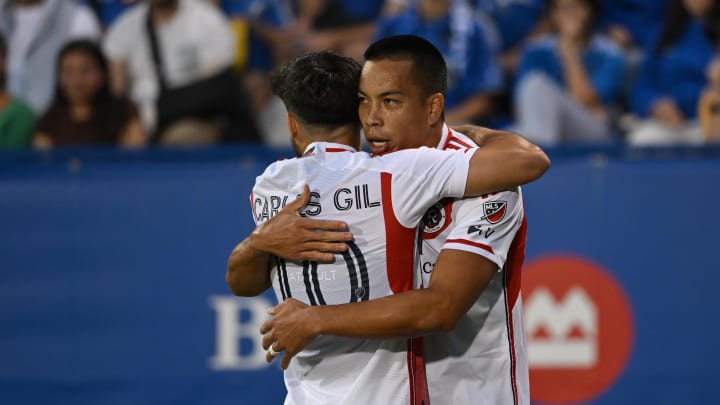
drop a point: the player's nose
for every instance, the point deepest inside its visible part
(372, 115)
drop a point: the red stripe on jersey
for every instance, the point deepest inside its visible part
(416, 372)
(471, 243)
(400, 251)
(460, 142)
(400, 257)
(513, 275)
(514, 263)
(453, 147)
(336, 150)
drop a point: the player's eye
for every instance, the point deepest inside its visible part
(390, 102)
(362, 99)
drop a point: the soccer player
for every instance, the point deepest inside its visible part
(471, 254)
(380, 199)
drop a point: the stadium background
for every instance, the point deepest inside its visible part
(113, 287)
(112, 267)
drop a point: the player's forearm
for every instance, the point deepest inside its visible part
(248, 269)
(505, 160)
(411, 313)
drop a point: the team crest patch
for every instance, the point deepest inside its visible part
(434, 218)
(437, 219)
(494, 211)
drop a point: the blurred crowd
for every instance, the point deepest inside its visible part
(135, 73)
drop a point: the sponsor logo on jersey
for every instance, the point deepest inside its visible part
(579, 328)
(494, 211)
(472, 229)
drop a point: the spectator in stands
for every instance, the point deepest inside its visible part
(108, 11)
(632, 23)
(568, 81)
(473, 73)
(35, 31)
(709, 108)
(16, 119)
(516, 22)
(174, 58)
(344, 26)
(84, 111)
(280, 30)
(262, 28)
(668, 88)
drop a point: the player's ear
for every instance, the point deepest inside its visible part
(292, 125)
(436, 103)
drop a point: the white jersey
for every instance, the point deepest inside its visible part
(383, 200)
(483, 361)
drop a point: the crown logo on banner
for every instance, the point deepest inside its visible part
(561, 334)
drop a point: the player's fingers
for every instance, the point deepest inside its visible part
(325, 225)
(300, 201)
(315, 256)
(271, 353)
(325, 247)
(267, 340)
(266, 327)
(286, 360)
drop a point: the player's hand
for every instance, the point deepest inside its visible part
(288, 331)
(293, 237)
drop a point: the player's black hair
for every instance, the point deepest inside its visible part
(319, 88)
(428, 65)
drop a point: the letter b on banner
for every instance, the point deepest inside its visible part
(237, 332)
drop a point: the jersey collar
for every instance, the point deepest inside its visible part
(326, 147)
(445, 138)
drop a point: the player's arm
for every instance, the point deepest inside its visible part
(504, 160)
(457, 280)
(287, 235)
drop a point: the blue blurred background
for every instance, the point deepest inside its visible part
(112, 268)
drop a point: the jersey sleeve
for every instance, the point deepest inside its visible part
(486, 225)
(424, 176)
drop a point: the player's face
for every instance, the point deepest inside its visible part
(393, 110)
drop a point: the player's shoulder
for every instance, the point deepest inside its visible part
(511, 196)
(279, 168)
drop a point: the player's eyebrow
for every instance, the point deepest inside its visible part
(384, 94)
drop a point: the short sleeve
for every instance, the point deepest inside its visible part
(422, 177)
(486, 225)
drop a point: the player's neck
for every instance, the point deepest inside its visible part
(346, 135)
(432, 140)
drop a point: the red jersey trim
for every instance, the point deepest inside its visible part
(419, 394)
(400, 251)
(513, 274)
(471, 243)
